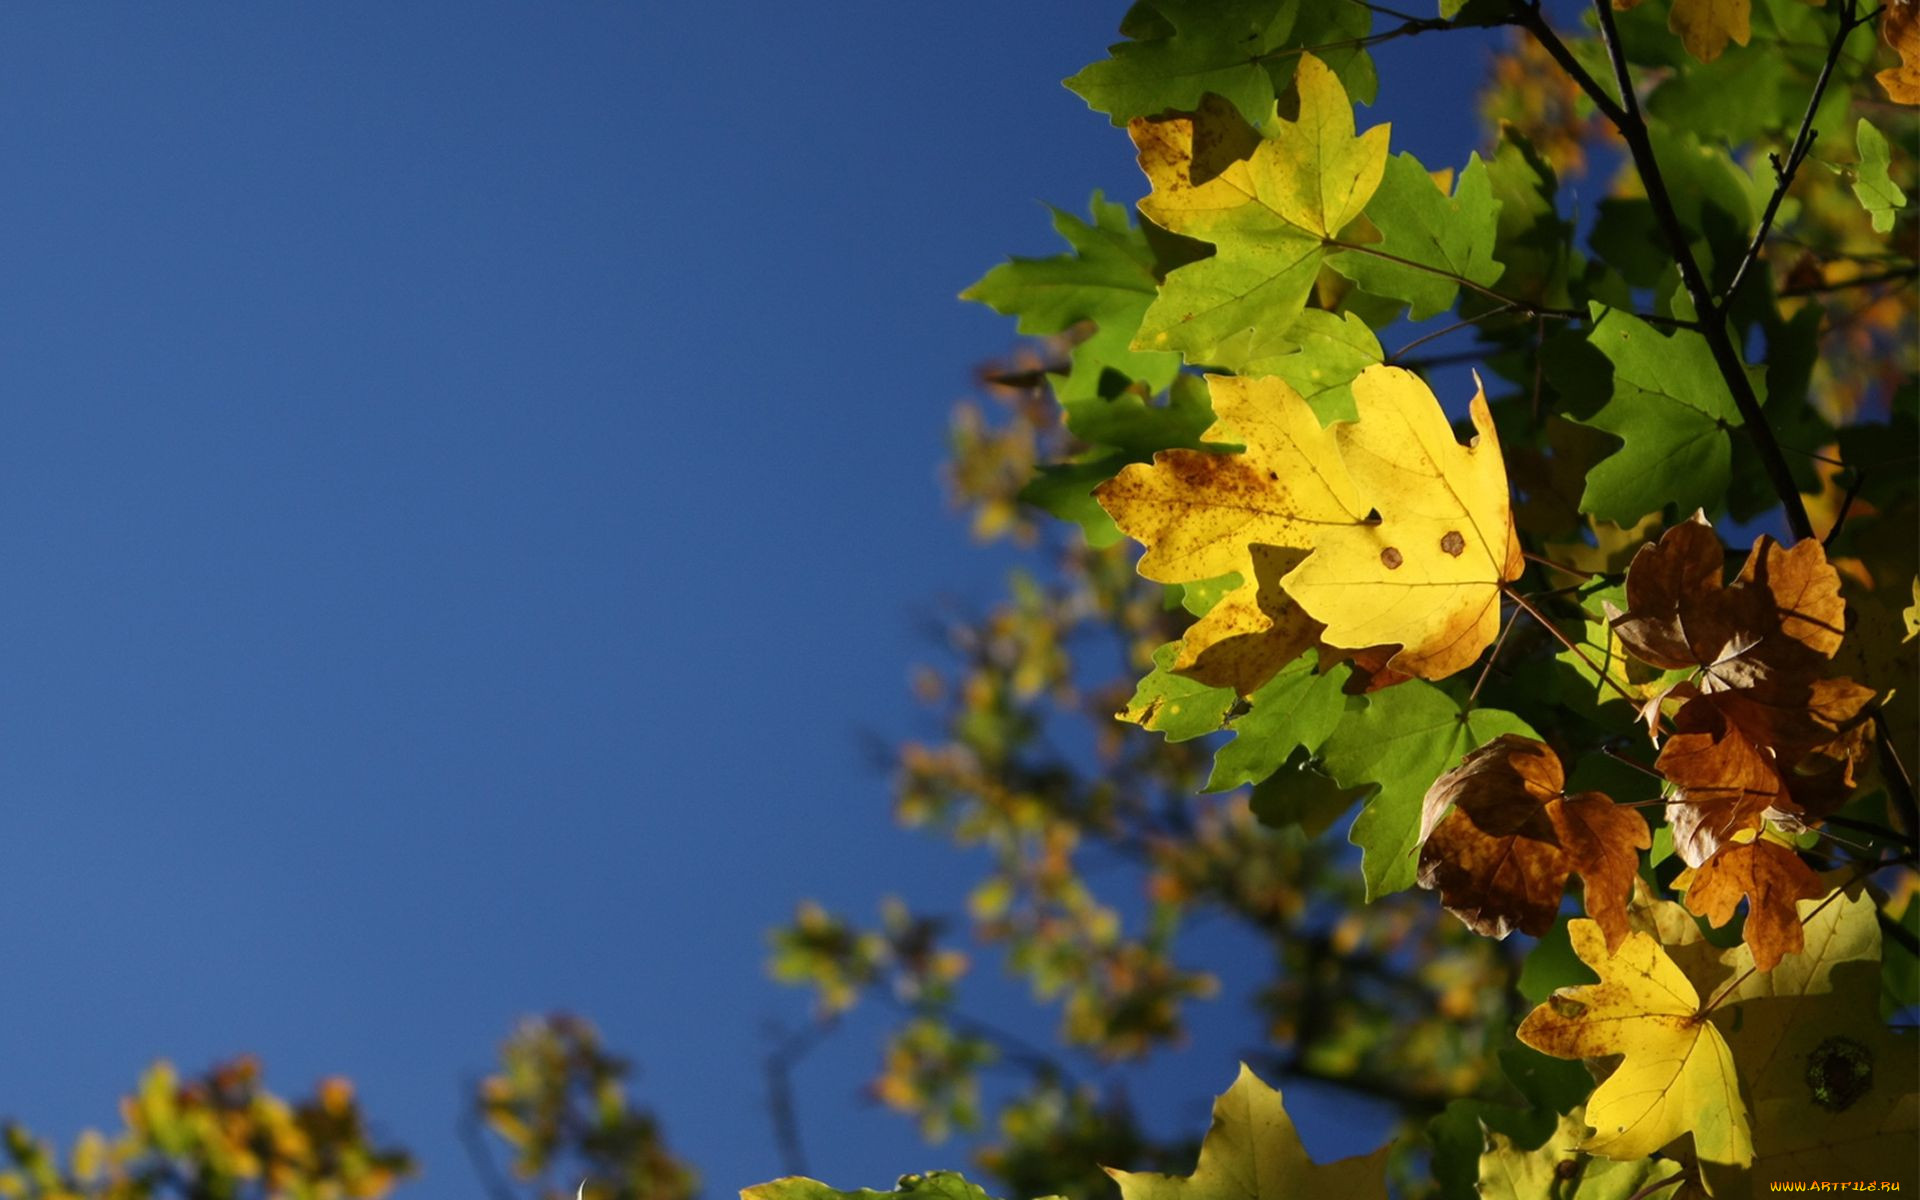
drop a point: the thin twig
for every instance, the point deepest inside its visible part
(1488, 669)
(1888, 276)
(1712, 324)
(1636, 764)
(1576, 572)
(1797, 153)
(1846, 506)
(1453, 328)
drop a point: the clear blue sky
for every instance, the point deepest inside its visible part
(467, 476)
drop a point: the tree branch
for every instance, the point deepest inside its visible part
(1796, 154)
(1712, 321)
(1887, 276)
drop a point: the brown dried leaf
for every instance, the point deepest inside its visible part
(1501, 857)
(1723, 782)
(1772, 878)
(1900, 28)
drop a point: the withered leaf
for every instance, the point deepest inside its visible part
(1501, 837)
(1723, 783)
(1772, 878)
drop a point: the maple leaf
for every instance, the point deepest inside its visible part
(1705, 26)
(1203, 515)
(1900, 28)
(1668, 404)
(1180, 708)
(934, 1185)
(1450, 236)
(1252, 1152)
(1875, 188)
(1677, 1074)
(1724, 784)
(1269, 200)
(1400, 741)
(1199, 46)
(1773, 880)
(1108, 280)
(1509, 1171)
(1296, 709)
(1832, 1088)
(1501, 837)
(1756, 705)
(1427, 575)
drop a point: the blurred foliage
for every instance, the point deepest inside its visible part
(220, 1136)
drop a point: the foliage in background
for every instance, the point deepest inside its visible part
(1713, 738)
(557, 1106)
(218, 1136)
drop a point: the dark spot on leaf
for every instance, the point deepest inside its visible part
(1392, 558)
(1839, 1072)
(1567, 1007)
(1453, 543)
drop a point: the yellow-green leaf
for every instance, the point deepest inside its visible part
(1252, 1152)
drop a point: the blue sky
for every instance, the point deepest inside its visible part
(467, 479)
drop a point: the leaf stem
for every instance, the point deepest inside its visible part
(1453, 328)
(1513, 303)
(1564, 640)
(1576, 572)
(1658, 1185)
(1488, 669)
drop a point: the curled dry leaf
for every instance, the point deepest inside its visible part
(1758, 708)
(1502, 836)
(1724, 784)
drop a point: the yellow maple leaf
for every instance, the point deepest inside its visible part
(1252, 1152)
(1426, 577)
(1268, 199)
(1833, 1089)
(1677, 1074)
(1203, 515)
(1705, 26)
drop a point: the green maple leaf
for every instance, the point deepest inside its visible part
(1107, 279)
(1401, 741)
(1419, 223)
(1877, 191)
(1531, 238)
(1330, 350)
(934, 1185)
(1197, 46)
(1253, 1152)
(1669, 407)
(1294, 710)
(1175, 705)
